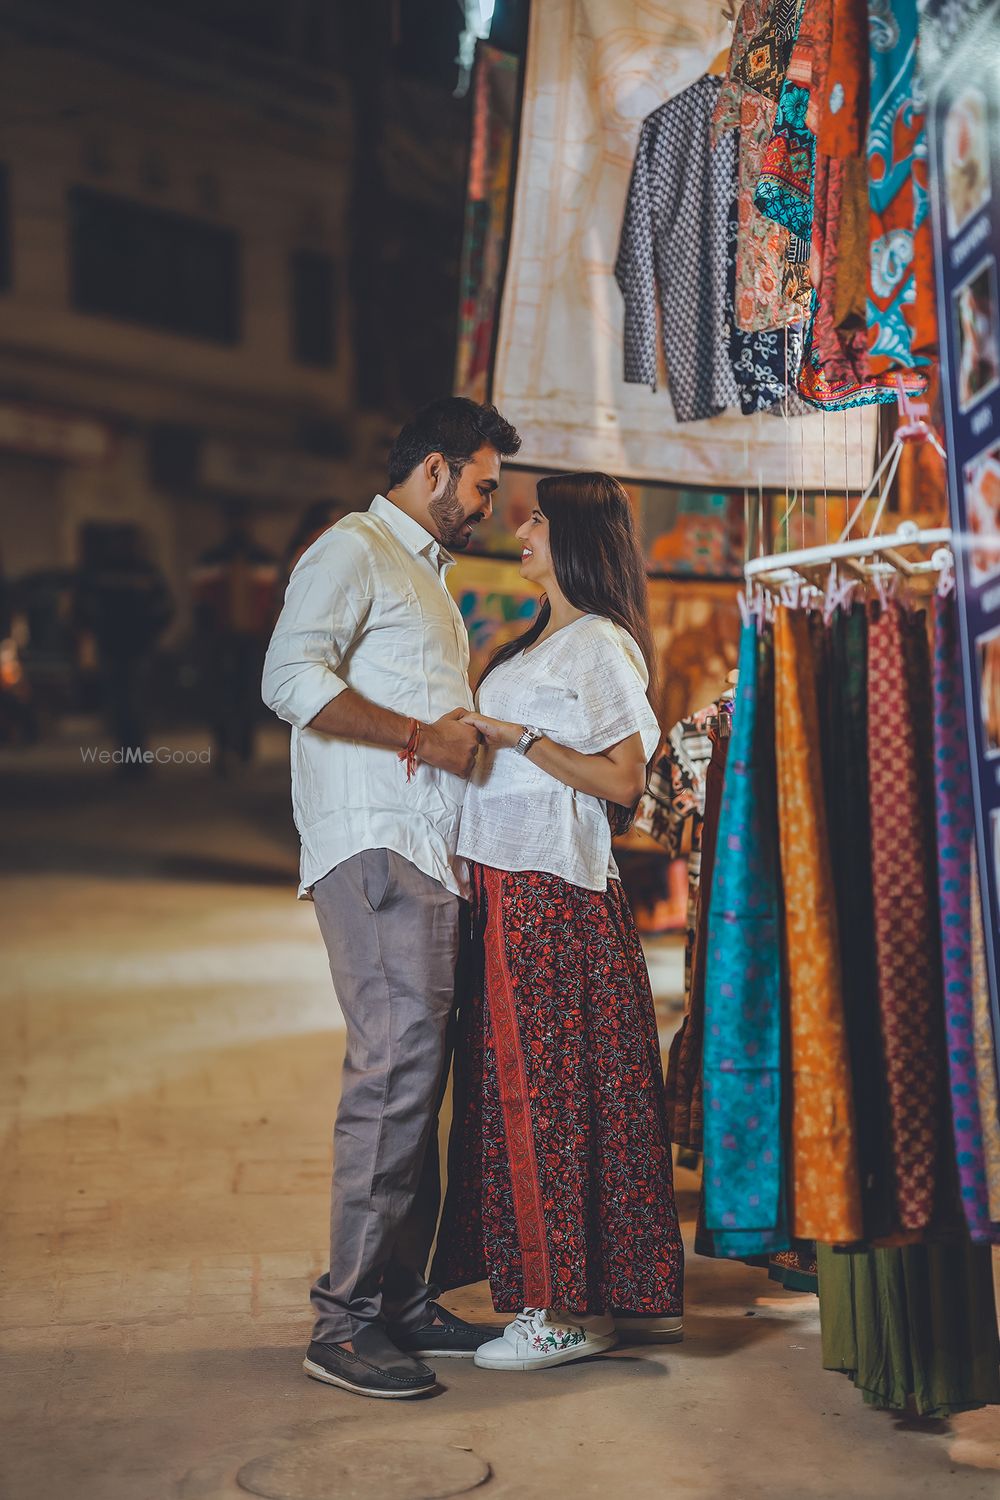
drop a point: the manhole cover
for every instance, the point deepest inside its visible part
(402, 1470)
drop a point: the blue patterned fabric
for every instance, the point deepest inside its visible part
(743, 1175)
(759, 364)
(955, 827)
(785, 189)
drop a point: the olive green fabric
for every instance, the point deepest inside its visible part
(918, 1323)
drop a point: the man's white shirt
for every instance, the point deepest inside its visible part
(367, 607)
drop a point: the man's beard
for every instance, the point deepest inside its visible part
(450, 519)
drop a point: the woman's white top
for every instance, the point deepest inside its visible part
(585, 687)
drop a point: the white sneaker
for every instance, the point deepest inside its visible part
(651, 1330)
(541, 1336)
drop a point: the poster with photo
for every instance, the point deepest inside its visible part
(966, 159)
(988, 662)
(981, 479)
(977, 342)
(964, 147)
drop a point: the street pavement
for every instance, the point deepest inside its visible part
(169, 1056)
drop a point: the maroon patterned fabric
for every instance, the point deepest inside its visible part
(901, 788)
(560, 1184)
(685, 1088)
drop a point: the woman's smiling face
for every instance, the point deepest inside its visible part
(536, 559)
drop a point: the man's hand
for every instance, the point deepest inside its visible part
(449, 744)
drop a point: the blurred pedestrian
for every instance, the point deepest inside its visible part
(235, 600)
(123, 604)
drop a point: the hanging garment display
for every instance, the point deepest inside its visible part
(825, 1195)
(849, 824)
(986, 1065)
(747, 103)
(765, 364)
(843, 114)
(901, 321)
(953, 797)
(744, 1173)
(672, 255)
(560, 349)
(912, 1326)
(906, 917)
(685, 1110)
(850, 257)
(841, 354)
(674, 800)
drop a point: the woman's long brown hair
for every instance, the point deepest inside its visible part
(599, 567)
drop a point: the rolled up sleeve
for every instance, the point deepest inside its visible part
(325, 607)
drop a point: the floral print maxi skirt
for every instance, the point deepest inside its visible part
(560, 1183)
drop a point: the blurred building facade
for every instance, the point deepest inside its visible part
(213, 216)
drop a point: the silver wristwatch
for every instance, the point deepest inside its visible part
(527, 739)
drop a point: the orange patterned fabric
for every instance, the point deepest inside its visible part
(843, 110)
(986, 1061)
(825, 1195)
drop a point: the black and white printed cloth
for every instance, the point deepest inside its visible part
(672, 255)
(675, 266)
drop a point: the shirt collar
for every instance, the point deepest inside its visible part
(412, 534)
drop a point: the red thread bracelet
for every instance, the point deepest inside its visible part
(409, 754)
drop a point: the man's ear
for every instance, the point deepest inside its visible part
(437, 473)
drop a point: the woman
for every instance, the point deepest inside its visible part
(560, 1175)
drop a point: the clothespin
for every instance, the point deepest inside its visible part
(790, 593)
(914, 424)
(945, 559)
(830, 594)
(880, 589)
(838, 593)
(745, 609)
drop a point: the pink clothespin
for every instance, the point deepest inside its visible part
(946, 577)
(913, 424)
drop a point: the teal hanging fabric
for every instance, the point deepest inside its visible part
(744, 1171)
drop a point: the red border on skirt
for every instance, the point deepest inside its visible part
(513, 1083)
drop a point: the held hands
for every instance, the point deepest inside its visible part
(496, 733)
(450, 744)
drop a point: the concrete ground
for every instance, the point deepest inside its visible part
(170, 1048)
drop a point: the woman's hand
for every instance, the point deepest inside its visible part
(497, 733)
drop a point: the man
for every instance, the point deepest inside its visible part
(369, 664)
(235, 588)
(123, 601)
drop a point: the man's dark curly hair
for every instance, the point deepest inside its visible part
(455, 427)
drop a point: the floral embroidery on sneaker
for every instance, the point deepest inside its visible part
(542, 1336)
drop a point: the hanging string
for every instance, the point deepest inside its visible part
(802, 478)
(826, 508)
(746, 492)
(878, 439)
(760, 489)
(861, 447)
(847, 470)
(789, 497)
